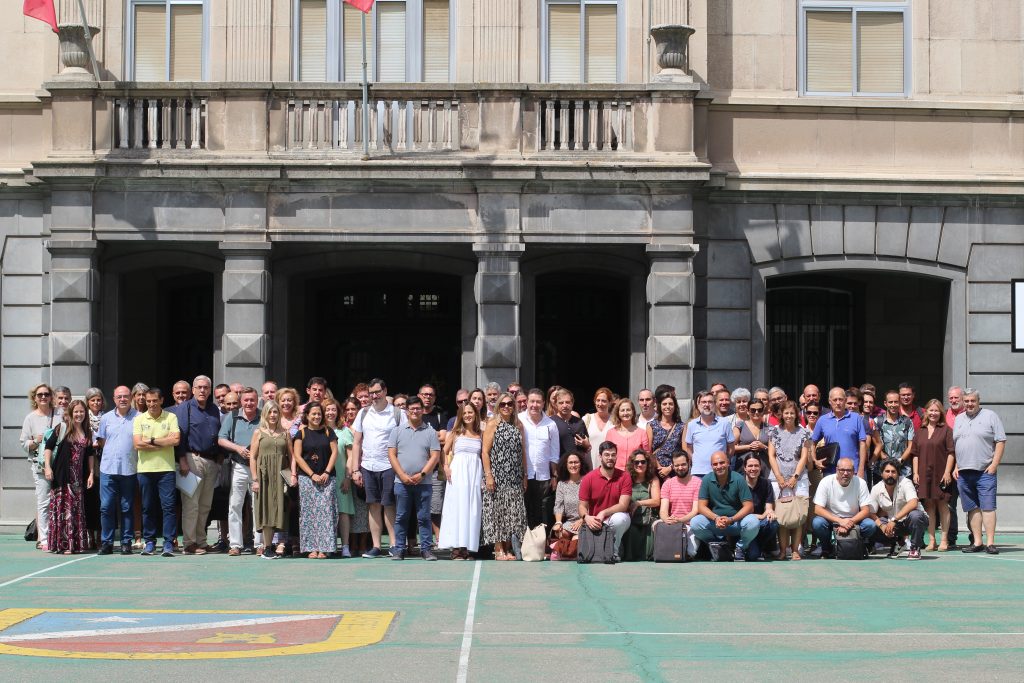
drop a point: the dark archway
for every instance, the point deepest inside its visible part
(582, 333)
(167, 330)
(405, 328)
(845, 328)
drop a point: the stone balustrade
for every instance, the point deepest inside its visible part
(325, 120)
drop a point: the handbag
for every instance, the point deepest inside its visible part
(791, 512)
(61, 430)
(534, 542)
(565, 545)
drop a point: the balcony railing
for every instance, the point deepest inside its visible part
(325, 120)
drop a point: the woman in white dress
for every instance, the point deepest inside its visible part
(460, 516)
(598, 423)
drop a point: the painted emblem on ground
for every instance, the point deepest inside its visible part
(184, 634)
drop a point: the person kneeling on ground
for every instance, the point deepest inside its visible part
(841, 502)
(897, 511)
(605, 494)
(725, 505)
(679, 498)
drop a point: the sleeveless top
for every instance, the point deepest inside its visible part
(665, 441)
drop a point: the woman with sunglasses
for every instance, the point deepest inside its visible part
(504, 513)
(42, 417)
(752, 437)
(643, 507)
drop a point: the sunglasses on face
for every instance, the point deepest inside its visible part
(506, 404)
(813, 412)
(640, 462)
(757, 410)
(43, 394)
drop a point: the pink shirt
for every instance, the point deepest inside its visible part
(626, 444)
(681, 497)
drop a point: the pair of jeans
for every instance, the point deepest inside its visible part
(405, 497)
(822, 530)
(767, 538)
(158, 496)
(746, 529)
(117, 493)
(914, 525)
(241, 485)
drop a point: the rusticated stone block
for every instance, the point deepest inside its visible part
(245, 349)
(246, 286)
(497, 351)
(72, 348)
(670, 351)
(72, 285)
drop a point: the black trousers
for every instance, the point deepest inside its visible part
(540, 503)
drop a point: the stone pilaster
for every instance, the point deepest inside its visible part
(670, 346)
(246, 292)
(74, 293)
(498, 291)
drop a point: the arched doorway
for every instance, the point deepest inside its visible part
(405, 328)
(582, 333)
(844, 328)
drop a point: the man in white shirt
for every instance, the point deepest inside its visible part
(897, 511)
(370, 433)
(841, 503)
(648, 411)
(542, 457)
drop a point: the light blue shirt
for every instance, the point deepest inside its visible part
(119, 454)
(707, 440)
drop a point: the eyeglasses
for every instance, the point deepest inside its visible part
(844, 470)
(506, 404)
(43, 394)
(376, 392)
(427, 393)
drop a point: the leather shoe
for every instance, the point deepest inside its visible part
(126, 548)
(991, 550)
(105, 549)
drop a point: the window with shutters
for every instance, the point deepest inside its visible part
(582, 41)
(855, 49)
(166, 40)
(406, 41)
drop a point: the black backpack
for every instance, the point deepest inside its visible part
(596, 546)
(850, 546)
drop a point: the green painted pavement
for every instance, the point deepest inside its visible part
(804, 620)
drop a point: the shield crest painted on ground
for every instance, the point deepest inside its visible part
(184, 634)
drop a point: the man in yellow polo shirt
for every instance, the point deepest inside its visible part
(155, 434)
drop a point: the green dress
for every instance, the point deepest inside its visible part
(637, 541)
(269, 501)
(346, 501)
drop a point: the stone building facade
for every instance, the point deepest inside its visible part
(826, 191)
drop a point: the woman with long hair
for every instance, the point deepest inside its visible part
(463, 503)
(315, 450)
(933, 445)
(270, 449)
(41, 419)
(346, 499)
(643, 507)
(665, 433)
(504, 456)
(70, 467)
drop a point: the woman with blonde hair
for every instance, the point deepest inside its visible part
(270, 451)
(598, 423)
(625, 434)
(933, 467)
(42, 418)
(504, 458)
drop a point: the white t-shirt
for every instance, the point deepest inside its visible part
(376, 427)
(843, 502)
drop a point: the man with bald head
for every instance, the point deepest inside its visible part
(117, 472)
(725, 506)
(842, 502)
(181, 391)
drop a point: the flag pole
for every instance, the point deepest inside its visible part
(366, 99)
(88, 42)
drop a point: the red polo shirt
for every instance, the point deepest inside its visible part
(603, 493)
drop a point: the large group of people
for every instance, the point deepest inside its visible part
(747, 475)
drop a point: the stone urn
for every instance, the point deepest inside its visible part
(671, 42)
(74, 54)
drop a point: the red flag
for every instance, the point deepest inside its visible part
(43, 11)
(363, 5)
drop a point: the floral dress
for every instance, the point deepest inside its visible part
(68, 531)
(665, 441)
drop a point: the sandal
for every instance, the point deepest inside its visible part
(943, 547)
(500, 556)
(461, 555)
(796, 556)
(279, 550)
(313, 556)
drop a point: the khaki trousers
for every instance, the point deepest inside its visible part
(196, 509)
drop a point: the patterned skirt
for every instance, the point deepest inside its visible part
(504, 514)
(318, 516)
(67, 520)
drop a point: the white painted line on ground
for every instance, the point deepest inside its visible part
(48, 569)
(88, 578)
(88, 633)
(738, 634)
(413, 580)
(467, 630)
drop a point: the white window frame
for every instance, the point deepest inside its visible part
(129, 39)
(902, 6)
(413, 34)
(620, 35)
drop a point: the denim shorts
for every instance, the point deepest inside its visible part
(977, 490)
(380, 486)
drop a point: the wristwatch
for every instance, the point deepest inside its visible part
(152, 441)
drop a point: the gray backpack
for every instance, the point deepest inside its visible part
(596, 547)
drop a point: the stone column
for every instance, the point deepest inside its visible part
(246, 292)
(498, 291)
(670, 346)
(74, 294)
